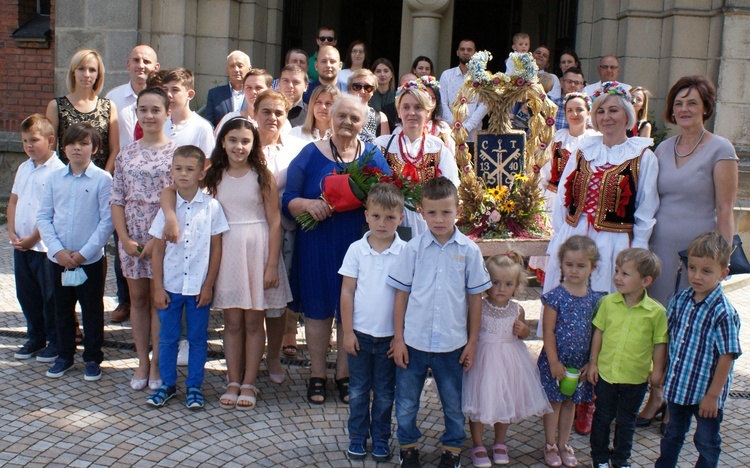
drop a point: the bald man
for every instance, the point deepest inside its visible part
(224, 99)
(328, 66)
(141, 62)
(609, 70)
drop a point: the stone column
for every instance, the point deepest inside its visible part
(421, 30)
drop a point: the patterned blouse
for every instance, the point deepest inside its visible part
(67, 115)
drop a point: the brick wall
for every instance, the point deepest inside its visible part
(27, 69)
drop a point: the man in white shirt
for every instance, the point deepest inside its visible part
(451, 81)
(224, 99)
(141, 62)
(609, 69)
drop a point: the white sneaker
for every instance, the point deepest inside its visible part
(182, 353)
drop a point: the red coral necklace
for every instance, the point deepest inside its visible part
(412, 164)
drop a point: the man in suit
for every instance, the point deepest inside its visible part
(224, 99)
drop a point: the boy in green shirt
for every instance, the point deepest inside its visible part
(630, 331)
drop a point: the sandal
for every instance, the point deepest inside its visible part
(290, 350)
(161, 396)
(230, 397)
(316, 388)
(343, 386)
(251, 399)
(194, 398)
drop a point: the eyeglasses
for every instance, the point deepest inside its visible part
(573, 82)
(609, 67)
(326, 38)
(359, 86)
(358, 51)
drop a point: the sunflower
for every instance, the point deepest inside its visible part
(521, 177)
(494, 192)
(508, 206)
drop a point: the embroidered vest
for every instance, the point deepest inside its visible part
(426, 168)
(560, 157)
(615, 211)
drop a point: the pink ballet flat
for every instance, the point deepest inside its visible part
(500, 457)
(552, 455)
(479, 457)
(568, 457)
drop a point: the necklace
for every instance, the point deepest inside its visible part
(677, 142)
(412, 164)
(337, 156)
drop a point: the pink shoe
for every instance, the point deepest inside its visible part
(552, 455)
(567, 456)
(479, 457)
(500, 454)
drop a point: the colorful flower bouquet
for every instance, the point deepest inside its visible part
(347, 189)
(503, 212)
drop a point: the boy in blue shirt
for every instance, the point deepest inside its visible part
(630, 331)
(75, 222)
(703, 344)
(367, 323)
(184, 274)
(440, 276)
(33, 273)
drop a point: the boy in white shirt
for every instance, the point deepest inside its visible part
(184, 126)
(367, 321)
(33, 273)
(184, 273)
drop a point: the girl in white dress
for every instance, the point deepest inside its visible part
(503, 386)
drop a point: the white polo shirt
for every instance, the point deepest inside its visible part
(125, 98)
(373, 298)
(186, 262)
(28, 186)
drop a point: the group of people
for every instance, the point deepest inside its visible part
(206, 218)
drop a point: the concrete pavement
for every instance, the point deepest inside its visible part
(68, 421)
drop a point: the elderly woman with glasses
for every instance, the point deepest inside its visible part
(363, 83)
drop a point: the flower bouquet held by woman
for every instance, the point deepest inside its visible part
(347, 188)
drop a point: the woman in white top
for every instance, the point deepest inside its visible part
(414, 153)
(317, 124)
(270, 112)
(355, 59)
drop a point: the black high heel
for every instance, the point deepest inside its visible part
(645, 422)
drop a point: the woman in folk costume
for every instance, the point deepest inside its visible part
(607, 190)
(414, 153)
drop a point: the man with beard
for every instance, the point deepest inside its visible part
(451, 81)
(224, 99)
(328, 66)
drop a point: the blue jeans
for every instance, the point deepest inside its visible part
(169, 337)
(371, 370)
(707, 438)
(448, 376)
(36, 293)
(620, 402)
(90, 295)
